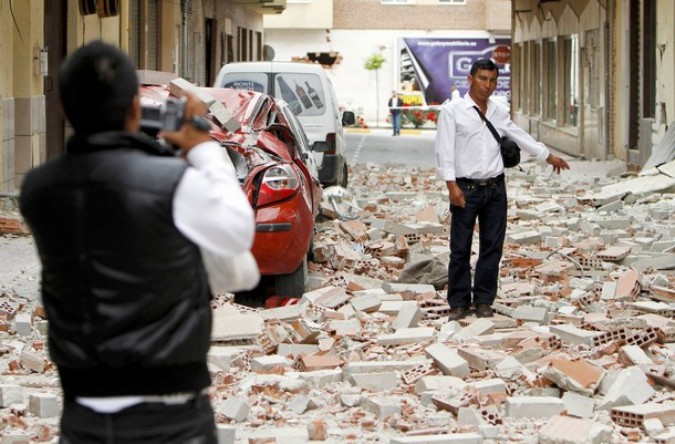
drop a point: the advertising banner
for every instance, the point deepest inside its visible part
(431, 65)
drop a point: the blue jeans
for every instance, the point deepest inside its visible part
(188, 423)
(396, 122)
(487, 204)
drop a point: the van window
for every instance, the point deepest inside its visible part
(246, 80)
(303, 93)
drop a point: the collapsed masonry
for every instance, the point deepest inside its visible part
(580, 350)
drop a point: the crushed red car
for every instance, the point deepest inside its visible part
(276, 172)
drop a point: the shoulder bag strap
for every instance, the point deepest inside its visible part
(487, 122)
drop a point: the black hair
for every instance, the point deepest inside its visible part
(483, 64)
(97, 84)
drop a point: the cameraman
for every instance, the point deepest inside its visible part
(119, 223)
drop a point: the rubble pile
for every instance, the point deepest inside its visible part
(581, 349)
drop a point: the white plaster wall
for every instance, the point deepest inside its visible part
(354, 85)
(665, 64)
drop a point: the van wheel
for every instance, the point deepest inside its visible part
(292, 284)
(345, 176)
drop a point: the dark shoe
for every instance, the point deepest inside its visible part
(484, 311)
(458, 313)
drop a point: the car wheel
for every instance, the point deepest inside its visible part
(292, 284)
(345, 176)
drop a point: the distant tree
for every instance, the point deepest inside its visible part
(374, 63)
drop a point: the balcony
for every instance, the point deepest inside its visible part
(263, 6)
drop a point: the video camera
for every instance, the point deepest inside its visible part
(168, 116)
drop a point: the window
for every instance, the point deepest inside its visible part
(571, 80)
(452, 2)
(649, 59)
(550, 86)
(251, 81)
(298, 1)
(302, 92)
(535, 108)
(523, 93)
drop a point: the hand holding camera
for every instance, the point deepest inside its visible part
(180, 122)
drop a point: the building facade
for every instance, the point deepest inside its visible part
(191, 38)
(594, 78)
(352, 31)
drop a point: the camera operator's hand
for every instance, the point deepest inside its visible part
(189, 135)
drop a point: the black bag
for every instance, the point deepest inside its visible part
(510, 149)
(510, 152)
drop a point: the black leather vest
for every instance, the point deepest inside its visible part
(125, 291)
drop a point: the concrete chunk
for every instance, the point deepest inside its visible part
(487, 386)
(376, 367)
(375, 382)
(321, 378)
(439, 383)
(407, 336)
(448, 360)
(630, 387)
(366, 303)
(10, 394)
(381, 407)
(222, 357)
(226, 434)
(229, 324)
(408, 315)
(573, 335)
(235, 408)
(269, 362)
(23, 324)
(480, 326)
(533, 406)
(568, 430)
(43, 405)
(480, 359)
(578, 405)
(455, 438)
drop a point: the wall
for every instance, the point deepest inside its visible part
(584, 133)
(665, 67)
(22, 129)
(372, 14)
(361, 28)
(314, 15)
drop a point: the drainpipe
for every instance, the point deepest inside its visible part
(185, 6)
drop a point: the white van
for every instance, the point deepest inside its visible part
(310, 94)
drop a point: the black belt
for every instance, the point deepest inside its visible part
(480, 182)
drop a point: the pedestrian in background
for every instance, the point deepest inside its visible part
(395, 104)
(119, 223)
(469, 160)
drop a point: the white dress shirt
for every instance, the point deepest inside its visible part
(209, 206)
(210, 209)
(465, 147)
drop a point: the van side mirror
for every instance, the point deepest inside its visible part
(321, 147)
(348, 118)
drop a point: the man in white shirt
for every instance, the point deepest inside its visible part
(469, 160)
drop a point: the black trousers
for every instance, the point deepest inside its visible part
(187, 423)
(487, 204)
